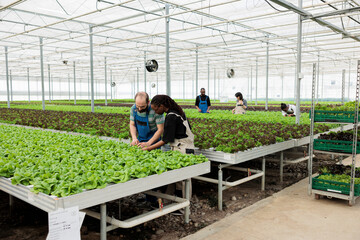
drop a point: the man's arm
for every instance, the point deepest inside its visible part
(283, 113)
(197, 102)
(160, 130)
(133, 133)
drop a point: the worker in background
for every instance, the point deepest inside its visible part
(241, 104)
(202, 102)
(146, 126)
(288, 110)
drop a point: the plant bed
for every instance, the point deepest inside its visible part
(335, 183)
(336, 142)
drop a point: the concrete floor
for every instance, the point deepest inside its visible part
(289, 214)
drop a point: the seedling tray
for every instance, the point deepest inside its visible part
(335, 146)
(333, 186)
(333, 116)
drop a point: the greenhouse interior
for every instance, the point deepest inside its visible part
(169, 119)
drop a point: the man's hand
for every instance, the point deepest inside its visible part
(134, 142)
(199, 110)
(143, 144)
(208, 111)
(233, 111)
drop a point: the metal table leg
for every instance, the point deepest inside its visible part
(281, 167)
(263, 176)
(220, 187)
(11, 204)
(103, 221)
(187, 196)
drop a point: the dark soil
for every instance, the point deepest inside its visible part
(26, 222)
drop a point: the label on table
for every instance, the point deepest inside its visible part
(64, 224)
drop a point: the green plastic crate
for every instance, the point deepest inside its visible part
(335, 146)
(332, 186)
(333, 116)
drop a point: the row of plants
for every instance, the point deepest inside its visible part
(221, 134)
(62, 164)
(348, 106)
(267, 117)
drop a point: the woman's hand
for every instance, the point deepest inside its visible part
(135, 142)
(143, 144)
(233, 111)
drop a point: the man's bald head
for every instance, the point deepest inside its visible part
(143, 96)
(141, 101)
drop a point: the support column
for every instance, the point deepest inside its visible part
(42, 74)
(11, 87)
(322, 85)
(256, 80)
(298, 64)
(183, 85)
(145, 71)
(282, 85)
(28, 78)
(220, 188)
(267, 73)
(167, 37)
(208, 83)
(69, 85)
(137, 80)
(251, 78)
(49, 83)
(91, 68)
(349, 80)
(74, 84)
(7, 77)
(105, 83)
(157, 83)
(318, 79)
(197, 70)
(88, 86)
(214, 83)
(343, 87)
(111, 87)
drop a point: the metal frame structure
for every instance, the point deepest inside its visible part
(176, 28)
(351, 198)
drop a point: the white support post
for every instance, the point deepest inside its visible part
(167, 38)
(91, 68)
(105, 82)
(42, 74)
(28, 78)
(298, 65)
(267, 73)
(145, 71)
(7, 77)
(49, 83)
(74, 84)
(256, 80)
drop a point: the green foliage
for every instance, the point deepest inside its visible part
(349, 106)
(61, 164)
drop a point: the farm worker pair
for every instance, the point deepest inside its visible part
(177, 131)
(146, 126)
(202, 102)
(241, 104)
(288, 110)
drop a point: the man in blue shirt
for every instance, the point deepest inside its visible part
(202, 102)
(146, 126)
